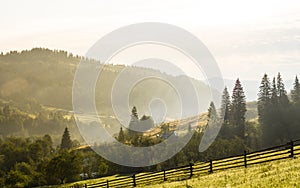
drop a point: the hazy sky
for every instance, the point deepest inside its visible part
(247, 38)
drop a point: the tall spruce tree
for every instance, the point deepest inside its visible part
(66, 142)
(271, 117)
(295, 110)
(238, 110)
(274, 97)
(282, 128)
(295, 93)
(282, 94)
(212, 114)
(276, 127)
(225, 106)
(264, 97)
(226, 130)
(267, 108)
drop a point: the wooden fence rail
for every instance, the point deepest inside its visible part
(288, 150)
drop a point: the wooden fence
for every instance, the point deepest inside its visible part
(289, 150)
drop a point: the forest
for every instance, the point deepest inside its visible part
(35, 160)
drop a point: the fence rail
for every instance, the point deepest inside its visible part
(288, 150)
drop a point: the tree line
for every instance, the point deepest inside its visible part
(278, 112)
(33, 161)
(14, 122)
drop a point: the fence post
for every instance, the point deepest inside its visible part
(210, 167)
(85, 185)
(134, 183)
(107, 185)
(191, 170)
(245, 158)
(292, 149)
(165, 179)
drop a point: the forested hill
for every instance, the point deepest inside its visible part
(38, 75)
(43, 76)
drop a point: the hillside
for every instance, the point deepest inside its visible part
(284, 173)
(38, 80)
(41, 79)
(45, 77)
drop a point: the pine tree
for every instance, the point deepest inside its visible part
(267, 110)
(264, 97)
(225, 106)
(295, 110)
(134, 113)
(212, 115)
(134, 122)
(274, 97)
(212, 112)
(276, 126)
(121, 136)
(282, 94)
(226, 130)
(283, 123)
(238, 109)
(295, 93)
(66, 142)
(271, 118)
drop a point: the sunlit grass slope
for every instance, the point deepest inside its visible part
(283, 173)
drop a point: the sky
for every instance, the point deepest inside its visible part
(247, 38)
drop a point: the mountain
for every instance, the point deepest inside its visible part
(42, 76)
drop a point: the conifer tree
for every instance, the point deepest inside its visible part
(266, 111)
(295, 93)
(134, 122)
(276, 125)
(282, 124)
(295, 110)
(271, 118)
(264, 97)
(66, 142)
(238, 110)
(274, 97)
(282, 94)
(225, 106)
(212, 113)
(134, 113)
(121, 136)
(226, 129)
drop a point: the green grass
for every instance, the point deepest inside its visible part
(280, 173)
(283, 173)
(89, 181)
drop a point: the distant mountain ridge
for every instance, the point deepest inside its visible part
(45, 77)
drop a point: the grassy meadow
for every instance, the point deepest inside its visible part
(283, 173)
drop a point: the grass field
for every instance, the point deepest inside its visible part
(283, 173)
